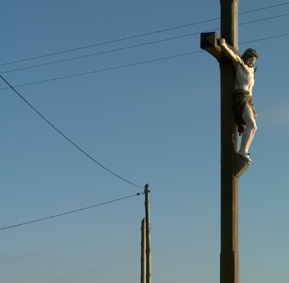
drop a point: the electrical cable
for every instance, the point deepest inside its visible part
(68, 139)
(264, 8)
(105, 69)
(264, 19)
(102, 52)
(265, 38)
(137, 36)
(68, 212)
(132, 64)
(107, 42)
(131, 46)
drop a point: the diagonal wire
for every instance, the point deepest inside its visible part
(265, 38)
(102, 52)
(109, 42)
(68, 212)
(132, 46)
(264, 19)
(133, 64)
(264, 8)
(106, 69)
(138, 35)
(136, 63)
(68, 139)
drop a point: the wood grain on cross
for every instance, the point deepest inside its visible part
(232, 166)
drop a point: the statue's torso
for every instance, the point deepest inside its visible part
(245, 77)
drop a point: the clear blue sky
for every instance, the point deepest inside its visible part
(155, 123)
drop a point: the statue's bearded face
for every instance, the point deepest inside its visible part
(250, 61)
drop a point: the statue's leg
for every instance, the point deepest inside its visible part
(249, 132)
(252, 135)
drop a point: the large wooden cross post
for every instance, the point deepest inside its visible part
(232, 166)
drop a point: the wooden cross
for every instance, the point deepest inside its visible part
(232, 165)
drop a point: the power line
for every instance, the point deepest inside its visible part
(68, 139)
(106, 69)
(102, 52)
(132, 64)
(108, 42)
(131, 46)
(265, 38)
(264, 8)
(138, 35)
(264, 19)
(68, 212)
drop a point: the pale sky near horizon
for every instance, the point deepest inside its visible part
(151, 114)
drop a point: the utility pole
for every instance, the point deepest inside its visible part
(232, 166)
(148, 235)
(143, 251)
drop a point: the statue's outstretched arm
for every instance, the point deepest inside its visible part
(231, 54)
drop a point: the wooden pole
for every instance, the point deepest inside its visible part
(143, 251)
(148, 235)
(232, 167)
(229, 258)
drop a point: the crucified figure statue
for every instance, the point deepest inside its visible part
(243, 99)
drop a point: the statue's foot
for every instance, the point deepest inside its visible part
(245, 155)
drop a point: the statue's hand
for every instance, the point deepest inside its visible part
(222, 41)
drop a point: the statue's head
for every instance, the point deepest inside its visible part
(250, 56)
